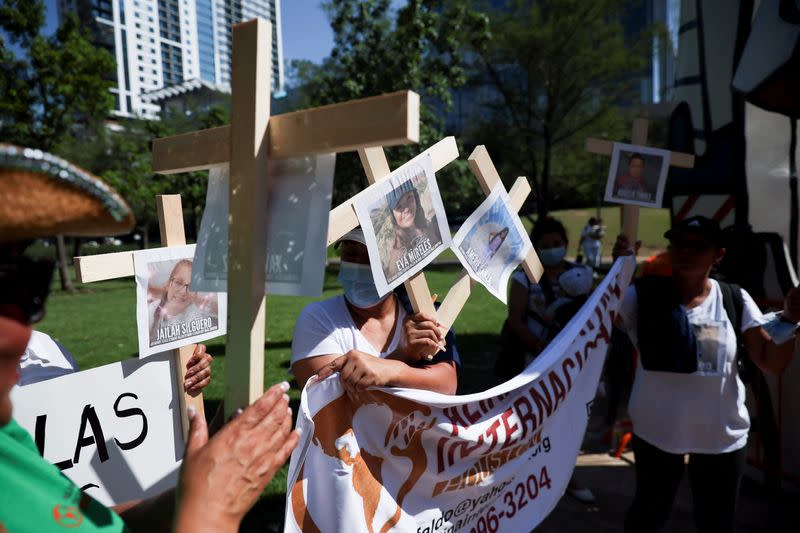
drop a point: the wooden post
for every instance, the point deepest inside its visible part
(247, 221)
(170, 225)
(100, 267)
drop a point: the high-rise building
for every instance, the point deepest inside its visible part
(164, 43)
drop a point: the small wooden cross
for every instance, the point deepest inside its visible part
(630, 213)
(484, 170)
(100, 267)
(246, 144)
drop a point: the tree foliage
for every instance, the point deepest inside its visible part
(53, 82)
(377, 51)
(560, 70)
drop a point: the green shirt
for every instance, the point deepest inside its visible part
(35, 496)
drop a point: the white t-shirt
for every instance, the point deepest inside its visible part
(327, 328)
(44, 359)
(703, 412)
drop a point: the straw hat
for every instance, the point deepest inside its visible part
(42, 195)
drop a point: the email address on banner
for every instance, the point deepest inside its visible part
(471, 510)
(483, 520)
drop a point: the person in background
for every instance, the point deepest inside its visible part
(372, 341)
(221, 477)
(687, 395)
(537, 312)
(591, 241)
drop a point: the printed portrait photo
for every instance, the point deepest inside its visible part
(174, 310)
(404, 224)
(492, 242)
(637, 175)
(169, 313)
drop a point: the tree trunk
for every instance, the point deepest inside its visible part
(145, 242)
(544, 180)
(61, 261)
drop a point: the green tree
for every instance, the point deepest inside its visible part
(378, 51)
(49, 85)
(561, 70)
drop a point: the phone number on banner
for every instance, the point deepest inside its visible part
(515, 499)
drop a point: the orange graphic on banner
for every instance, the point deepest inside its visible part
(335, 420)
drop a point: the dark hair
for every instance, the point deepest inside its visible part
(547, 225)
(593, 221)
(635, 155)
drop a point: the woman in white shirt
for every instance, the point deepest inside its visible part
(371, 341)
(697, 410)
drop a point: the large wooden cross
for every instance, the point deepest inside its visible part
(101, 267)
(246, 144)
(630, 213)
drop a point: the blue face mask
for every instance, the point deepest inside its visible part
(552, 256)
(359, 286)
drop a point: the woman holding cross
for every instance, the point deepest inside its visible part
(371, 341)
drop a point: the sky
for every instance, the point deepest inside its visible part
(306, 31)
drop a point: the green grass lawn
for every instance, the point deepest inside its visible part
(98, 325)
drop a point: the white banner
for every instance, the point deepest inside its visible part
(410, 460)
(114, 430)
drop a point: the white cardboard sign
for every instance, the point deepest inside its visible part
(114, 430)
(404, 223)
(168, 313)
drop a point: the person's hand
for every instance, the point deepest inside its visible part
(622, 247)
(359, 371)
(791, 305)
(423, 337)
(198, 371)
(223, 477)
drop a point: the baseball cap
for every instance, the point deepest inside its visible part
(356, 235)
(394, 196)
(705, 227)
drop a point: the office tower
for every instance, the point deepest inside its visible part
(160, 44)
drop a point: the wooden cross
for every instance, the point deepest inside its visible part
(377, 168)
(630, 213)
(484, 170)
(246, 144)
(101, 267)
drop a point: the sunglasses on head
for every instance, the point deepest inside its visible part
(24, 286)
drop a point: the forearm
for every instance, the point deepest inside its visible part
(150, 515)
(440, 377)
(778, 356)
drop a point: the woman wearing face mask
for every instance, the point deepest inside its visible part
(529, 319)
(528, 302)
(371, 341)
